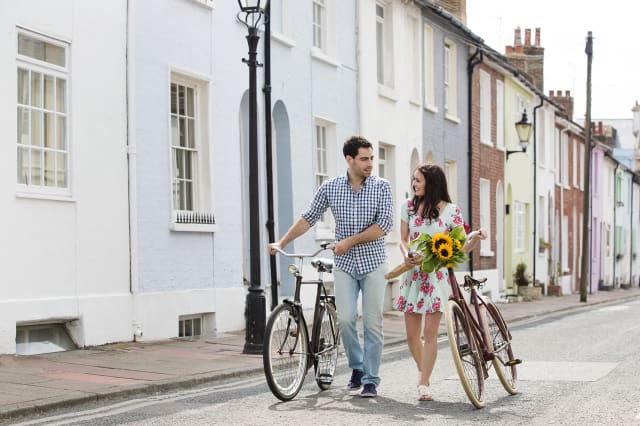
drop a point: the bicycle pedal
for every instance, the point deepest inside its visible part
(325, 378)
(513, 362)
(293, 333)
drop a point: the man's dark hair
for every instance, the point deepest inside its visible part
(353, 144)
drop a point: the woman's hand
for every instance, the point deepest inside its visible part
(411, 259)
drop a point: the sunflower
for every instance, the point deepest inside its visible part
(445, 252)
(458, 245)
(438, 240)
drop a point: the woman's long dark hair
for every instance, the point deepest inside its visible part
(435, 190)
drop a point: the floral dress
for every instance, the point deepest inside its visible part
(423, 292)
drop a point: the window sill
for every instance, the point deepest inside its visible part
(46, 197)
(431, 108)
(282, 39)
(387, 92)
(323, 57)
(487, 143)
(194, 227)
(209, 4)
(452, 118)
(487, 253)
(415, 102)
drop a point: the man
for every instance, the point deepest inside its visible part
(363, 209)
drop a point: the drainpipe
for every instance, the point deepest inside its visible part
(535, 195)
(269, 152)
(131, 169)
(561, 216)
(473, 62)
(615, 214)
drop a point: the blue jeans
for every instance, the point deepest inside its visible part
(372, 286)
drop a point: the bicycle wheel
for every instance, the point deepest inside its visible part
(326, 344)
(503, 362)
(285, 352)
(464, 350)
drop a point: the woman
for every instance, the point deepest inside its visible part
(429, 211)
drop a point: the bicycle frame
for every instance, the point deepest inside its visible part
(321, 296)
(475, 320)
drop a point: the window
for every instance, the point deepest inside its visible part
(574, 162)
(582, 166)
(386, 161)
(429, 71)
(557, 138)
(413, 54)
(190, 173)
(542, 217)
(485, 108)
(485, 216)
(384, 45)
(42, 114)
(325, 167)
(190, 326)
(319, 24)
(519, 215)
(499, 114)
(451, 172)
(564, 141)
(450, 89)
(42, 339)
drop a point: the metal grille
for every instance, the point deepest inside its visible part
(186, 216)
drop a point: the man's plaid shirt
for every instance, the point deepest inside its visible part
(354, 212)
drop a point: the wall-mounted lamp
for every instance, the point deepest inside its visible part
(523, 128)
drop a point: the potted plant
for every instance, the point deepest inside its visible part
(522, 280)
(543, 245)
(553, 289)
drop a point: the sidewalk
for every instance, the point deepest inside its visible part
(42, 382)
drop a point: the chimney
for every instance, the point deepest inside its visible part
(565, 101)
(457, 8)
(527, 58)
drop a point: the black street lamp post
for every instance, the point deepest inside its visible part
(255, 312)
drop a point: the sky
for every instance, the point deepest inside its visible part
(564, 25)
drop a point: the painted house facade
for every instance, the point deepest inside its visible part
(63, 179)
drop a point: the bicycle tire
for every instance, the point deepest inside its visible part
(500, 339)
(464, 350)
(326, 343)
(285, 353)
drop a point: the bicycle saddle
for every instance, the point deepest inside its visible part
(322, 264)
(471, 282)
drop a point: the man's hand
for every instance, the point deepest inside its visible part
(342, 247)
(271, 249)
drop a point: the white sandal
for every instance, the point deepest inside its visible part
(423, 393)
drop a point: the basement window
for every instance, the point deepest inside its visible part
(42, 339)
(190, 326)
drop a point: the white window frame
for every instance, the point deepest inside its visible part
(557, 138)
(499, 115)
(429, 68)
(519, 226)
(582, 166)
(564, 141)
(451, 173)
(413, 48)
(324, 167)
(450, 80)
(199, 216)
(384, 45)
(183, 320)
(485, 108)
(542, 221)
(60, 151)
(574, 162)
(281, 27)
(485, 216)
(323, 29)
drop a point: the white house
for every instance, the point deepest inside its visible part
(63, 175)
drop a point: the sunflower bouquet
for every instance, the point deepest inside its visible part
(442, 250)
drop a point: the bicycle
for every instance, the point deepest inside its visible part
(288, 353)
(477, 339)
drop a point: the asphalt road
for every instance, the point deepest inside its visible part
(579, 368)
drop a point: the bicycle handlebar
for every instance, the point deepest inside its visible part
(323, 247)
